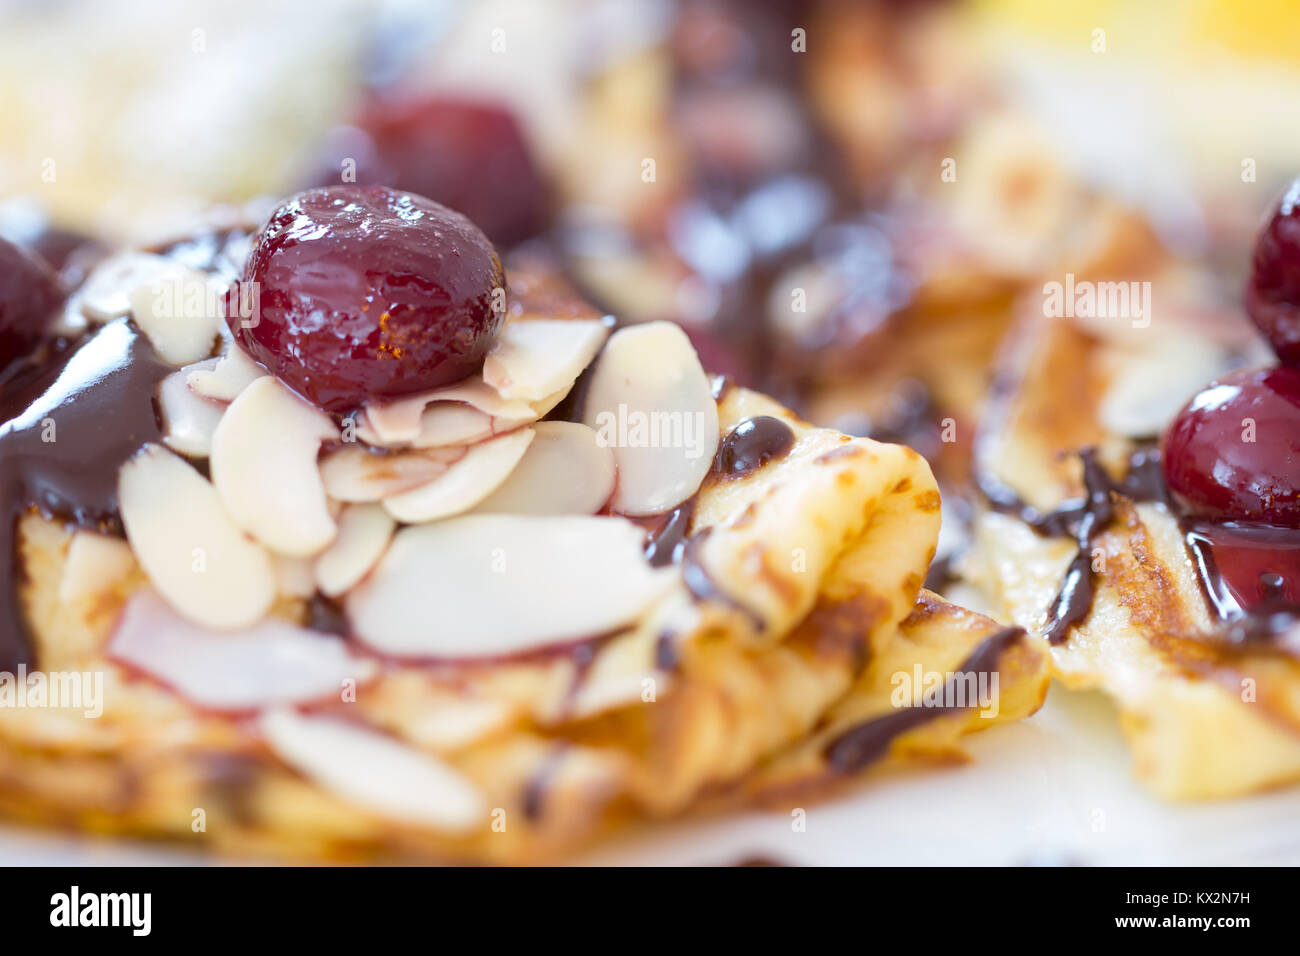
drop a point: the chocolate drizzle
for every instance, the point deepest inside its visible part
(1074, 600)
(68, 420)
(867, 742)
(668, 541)
(751, 445)
(1251, 622)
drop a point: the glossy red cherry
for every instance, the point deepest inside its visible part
(30, 293)
(471, 156)
(366, 292)
(1233, 452)
(1273, 291)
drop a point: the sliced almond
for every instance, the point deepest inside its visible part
(544, 405)
(106, 293)
(477, 393)
(180, 312)
(271, 663)
(375, 771)
(364, 533)
(489, 585)
(404, 421)
(94, 565)
(467, 482)
(535, 359)
(392, 423)
(450, 423)
(564, 471)
(651, 402)
(233, 372)
(189, 420)
(354, 473)
(192, 551)
(264, 467)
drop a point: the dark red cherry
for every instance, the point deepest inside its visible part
(471, 156)
(1253, 562)
(30, 293)
(366, 292)
(1233, 452)
(1273, 291)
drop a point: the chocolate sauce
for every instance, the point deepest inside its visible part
(1074, 600)
(326, 616)
(219, 251)
(867, 742)
(535, 790)
(1248, 574)
(668, 541)
(751, 445)
(68, 419)
(702, 586)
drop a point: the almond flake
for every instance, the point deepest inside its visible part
(264, 467)
(466, 482)
(189, 547)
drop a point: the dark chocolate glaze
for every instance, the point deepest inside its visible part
(1266, 626)
(326, 615)
(668, 540)
(751, 445)
(1074, 600)
(867, 742)
(535, 790)
(96, 398)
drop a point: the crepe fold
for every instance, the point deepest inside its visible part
(794, 605)
(1204, 718)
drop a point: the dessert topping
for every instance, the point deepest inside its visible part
(189, 420)
(192, 551)
(374, 770)
(466, 482)
(366, 293)
(566, 470)
(650, 400)
(264, 468)
(1273, 291)
(493, 585)
(364, 533)
(30, 294)
(181, 312)
(272, 662)
(1233, 452)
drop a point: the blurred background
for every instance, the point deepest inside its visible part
(844, 203)
(836, 198)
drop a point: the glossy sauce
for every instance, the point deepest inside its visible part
(96, 400)
(1248, 574)
(751, 445)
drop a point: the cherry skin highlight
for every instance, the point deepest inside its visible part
(1273, 291)
(1213, 467)
(367, 292)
